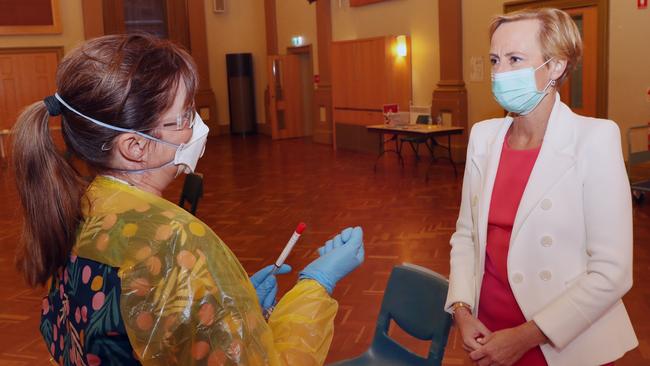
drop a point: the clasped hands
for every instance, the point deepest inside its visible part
(337, 257)
(500, 348)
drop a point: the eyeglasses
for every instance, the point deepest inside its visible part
(183, 121)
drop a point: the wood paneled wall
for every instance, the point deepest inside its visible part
(26, 76)
(366, 74)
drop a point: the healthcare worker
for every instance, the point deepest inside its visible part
(135, 279)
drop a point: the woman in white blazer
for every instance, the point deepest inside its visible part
(567, 258)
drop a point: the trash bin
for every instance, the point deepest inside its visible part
(241, 93)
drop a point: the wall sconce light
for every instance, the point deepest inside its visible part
(297, 41)
(401, 46)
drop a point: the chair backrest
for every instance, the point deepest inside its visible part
(415, 299)
(422, 119)
(420, 114)
(192, 191)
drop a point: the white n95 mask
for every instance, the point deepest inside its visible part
(187, 154)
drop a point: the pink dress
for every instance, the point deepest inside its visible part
(498, 308)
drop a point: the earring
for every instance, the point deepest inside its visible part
(552, 82)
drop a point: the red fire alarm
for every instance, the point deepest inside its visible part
(641, 4)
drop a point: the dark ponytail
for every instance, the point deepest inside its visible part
(50, 190)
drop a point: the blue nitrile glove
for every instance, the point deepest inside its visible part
(338, 240)
(338, 257)
(266, 284)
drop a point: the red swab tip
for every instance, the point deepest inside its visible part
(301, 227)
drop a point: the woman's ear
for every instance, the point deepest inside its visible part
(557, 68)
(130, 147)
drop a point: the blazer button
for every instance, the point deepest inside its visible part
(517, 278)
(547, 241)
(546, 204)
(545, 275)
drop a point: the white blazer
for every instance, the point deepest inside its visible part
(570, 256)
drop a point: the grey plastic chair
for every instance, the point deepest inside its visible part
(414, 299)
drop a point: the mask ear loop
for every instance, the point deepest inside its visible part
(547, 61)
(551, 82)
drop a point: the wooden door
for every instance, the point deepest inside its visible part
(163, 18)
(306, 73)
(579, 91)
(26, 76)
(285, 96)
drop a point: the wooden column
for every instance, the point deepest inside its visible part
(271, 24)
(450, 95)
(323, 93)
(205, 100)
(93, 17)
(271, 21)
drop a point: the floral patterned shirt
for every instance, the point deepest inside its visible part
(81, 321)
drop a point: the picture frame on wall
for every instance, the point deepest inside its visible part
(30, 17)
(219, 6)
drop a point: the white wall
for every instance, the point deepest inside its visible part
(241, 29)
(629, 68)
(297, 18)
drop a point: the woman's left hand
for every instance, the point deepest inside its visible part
(507, 346)
(266, 285)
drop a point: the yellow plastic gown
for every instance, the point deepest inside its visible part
(185, 297)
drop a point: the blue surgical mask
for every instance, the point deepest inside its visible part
(516, 91)
(187, 154)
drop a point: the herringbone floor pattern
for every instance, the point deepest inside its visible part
(256, 191)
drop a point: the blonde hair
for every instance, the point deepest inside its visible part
(558, 34)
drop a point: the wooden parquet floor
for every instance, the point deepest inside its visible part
(256, 191)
